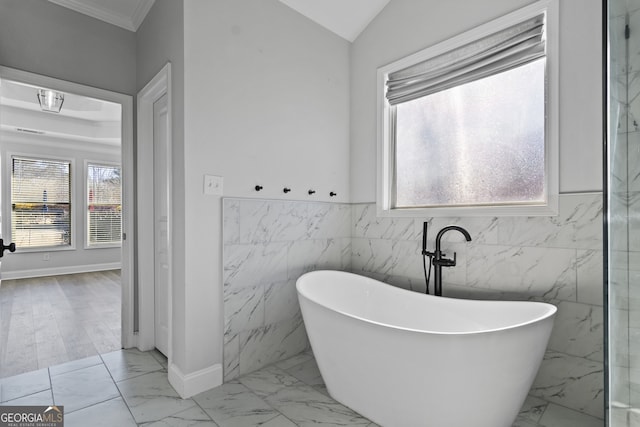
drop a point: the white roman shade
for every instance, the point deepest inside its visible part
(500, 51)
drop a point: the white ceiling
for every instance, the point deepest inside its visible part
(346, 18)
(81, 118)
(127, 14)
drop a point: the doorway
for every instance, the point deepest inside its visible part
(154, 153)
(90, 221)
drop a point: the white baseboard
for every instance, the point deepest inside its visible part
(196, 382)
(56, 271)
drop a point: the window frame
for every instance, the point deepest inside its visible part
(72, 201)
(85, 196)
(386, 121)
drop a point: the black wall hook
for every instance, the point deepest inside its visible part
(258, 187)
(332, 194)
(285, 190)
(312, 192)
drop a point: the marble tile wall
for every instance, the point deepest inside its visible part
(267, 245)
(553, 259)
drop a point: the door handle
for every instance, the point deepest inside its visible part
(3, 247)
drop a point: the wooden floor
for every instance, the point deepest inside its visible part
(50, 320)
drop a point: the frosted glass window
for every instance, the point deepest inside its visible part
(481, 143)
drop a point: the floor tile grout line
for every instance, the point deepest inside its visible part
(92, 405)
(203, 410)
(118, 388)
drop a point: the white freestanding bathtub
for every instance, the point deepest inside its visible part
(402, 358)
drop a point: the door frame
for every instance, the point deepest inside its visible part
(128, 338)
(159, 85)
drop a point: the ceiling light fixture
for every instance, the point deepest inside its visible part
(50, 100)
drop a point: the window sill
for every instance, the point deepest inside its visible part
(103, 246)
(41, 249)
(550, 209)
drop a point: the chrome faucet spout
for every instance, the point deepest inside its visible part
(439, 259)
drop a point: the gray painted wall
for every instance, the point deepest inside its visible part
(44, 38)
(407, 26)
(160, 39)
(25, 264)
(266, 102)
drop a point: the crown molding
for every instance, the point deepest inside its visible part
(127, 22)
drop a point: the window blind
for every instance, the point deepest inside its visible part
(500, 51)
(104, 204)
(40, 202)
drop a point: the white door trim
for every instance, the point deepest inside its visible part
(154, 90)
(126, 101)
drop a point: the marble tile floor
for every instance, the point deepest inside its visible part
(130, 388)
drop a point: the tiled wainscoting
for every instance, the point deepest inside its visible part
(268, 244)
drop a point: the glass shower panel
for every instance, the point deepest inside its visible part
(624, 213)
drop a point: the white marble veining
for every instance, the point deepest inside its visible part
(255, 400)
(246, 264)
(308, 255)
(244, 308)
(192, 417)
(367, 225)
(130, 363)
(590, 278)
(305, 406)
(231, 356)
(230, 221)
(262, 346)
(268, 244)
(263, 221)
(151, 398)
(375, 255)
(268, 380)
(542, 272)
(281, 302)
(578, 225)
(485, 230)
(83, 387)
(233, 404)
(329, 221)
(572, 382)
(578, 331)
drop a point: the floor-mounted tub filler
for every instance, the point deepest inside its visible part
(402, 358)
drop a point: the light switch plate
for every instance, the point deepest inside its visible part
(213, 185)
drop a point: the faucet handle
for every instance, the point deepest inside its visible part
(428, 253)
(448, 262)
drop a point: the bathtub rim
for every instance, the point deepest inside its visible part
(549, 314)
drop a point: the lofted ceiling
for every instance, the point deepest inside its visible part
(346, 18)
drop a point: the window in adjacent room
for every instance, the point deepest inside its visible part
(469, 126)
(40, 203)
(104, 205)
